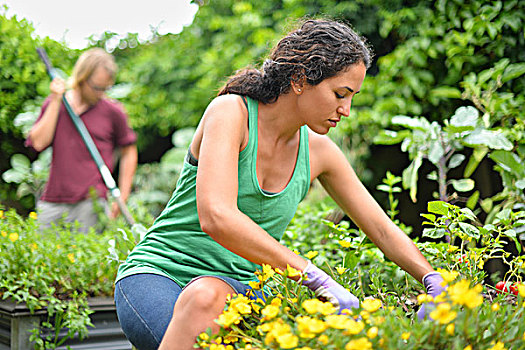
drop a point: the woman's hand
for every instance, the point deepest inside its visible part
(433, 284)
(325, 287)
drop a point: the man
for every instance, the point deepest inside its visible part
(73, 171)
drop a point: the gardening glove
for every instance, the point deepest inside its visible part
(326, 288)
(432, 282)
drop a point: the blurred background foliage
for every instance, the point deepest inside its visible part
(432, 57)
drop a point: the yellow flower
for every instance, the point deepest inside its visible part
(443, 314)
(267, 272)
(311, 254)
(228, 317)
(313, 306)
(521, 289)
(405, 335)
(270, 311)
(358, 344)
(495, 307)
(308, 327)
(337, 321)
(498, 346)
(340, 270)
(448, 276)
(371, 305)
(461, 294)
(450, 329)
(33, 247)
(13, 237)
(372, 332)
(327, 308)
(3, 233)
(354, 327)
(241, 304)
(33, 215)
(287, 341)
(292, 272)
(452, 248)
(204, 336)
(323, 339)
(344, 244)
(277, 301)
(1, 214)
(254, 285)
(71, 257)
(424, 298)
(468, 347)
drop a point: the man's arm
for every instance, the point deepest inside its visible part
(128, 165)
(43, 132)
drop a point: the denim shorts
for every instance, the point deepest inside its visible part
(145, 303)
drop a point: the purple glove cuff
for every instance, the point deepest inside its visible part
(326, 288)
(432, 282)
(315, 277)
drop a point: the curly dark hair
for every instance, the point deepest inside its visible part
(318, 50)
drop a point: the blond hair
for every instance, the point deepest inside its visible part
(88, 62)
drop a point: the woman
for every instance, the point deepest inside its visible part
(258, 147)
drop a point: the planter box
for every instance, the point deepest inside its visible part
(16, 321)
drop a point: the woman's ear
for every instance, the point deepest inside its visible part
(298, 84)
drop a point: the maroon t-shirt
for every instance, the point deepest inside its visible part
(73, 170)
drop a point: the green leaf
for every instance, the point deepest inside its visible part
(509, 161)
(12, 175)
(463, 185)
(473, 200)
(513, 71)
(474, 160)
(383, 188)
(490, 138)
(410, 177)
(468, 213)
(487, 204)
(446, 92)
(20, 162)
(430, 217)
(455, 161)
(469, 230)
(434, 232)
(389, 137)
(510, 233)
(438, 207)
(436, 152)
(465, 116)
(411, 123)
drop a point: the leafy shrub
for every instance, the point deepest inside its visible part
(23, 85)
(55, 269)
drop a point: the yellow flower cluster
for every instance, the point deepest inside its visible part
(461, 294)
(280, 322)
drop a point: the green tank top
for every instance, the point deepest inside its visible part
(176, 247)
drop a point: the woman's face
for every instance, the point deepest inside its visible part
(323, 105)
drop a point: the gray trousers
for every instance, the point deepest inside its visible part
(50, 212)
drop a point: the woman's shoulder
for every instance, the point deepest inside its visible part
(324, 153)
(229, 107)
(319, 142)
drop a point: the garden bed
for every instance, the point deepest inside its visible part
(16, 323)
